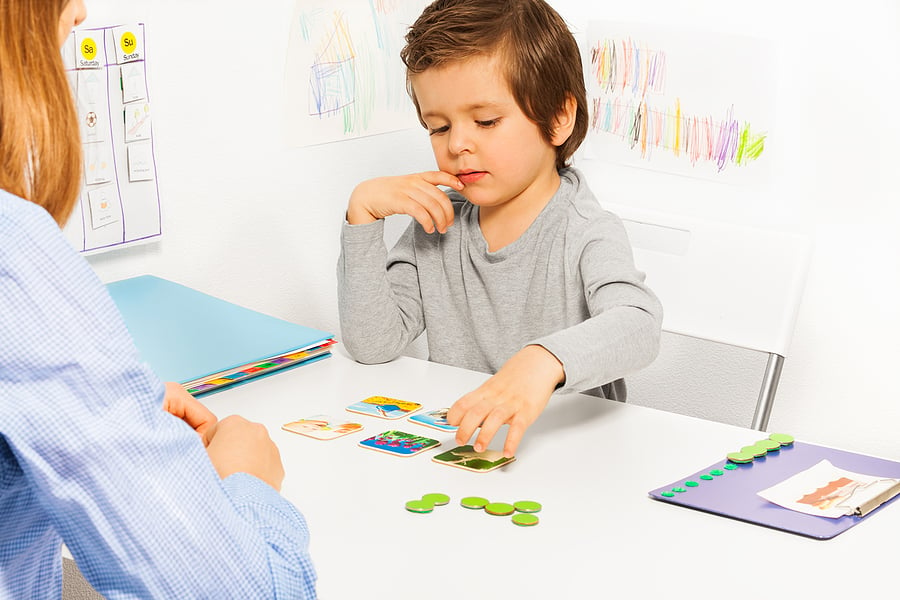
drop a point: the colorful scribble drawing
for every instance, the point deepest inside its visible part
(622, 65)
(343, 73)
(332, 79)
(630, 77)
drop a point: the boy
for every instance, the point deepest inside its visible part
(516, 270)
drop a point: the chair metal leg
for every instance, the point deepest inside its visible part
(767, 392)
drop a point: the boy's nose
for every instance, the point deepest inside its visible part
(460, 141)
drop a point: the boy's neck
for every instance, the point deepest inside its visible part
(503, 224)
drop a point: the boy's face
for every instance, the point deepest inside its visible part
(480, 134)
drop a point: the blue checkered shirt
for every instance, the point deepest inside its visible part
(89, 458)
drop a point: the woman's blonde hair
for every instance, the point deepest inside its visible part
(40, 141)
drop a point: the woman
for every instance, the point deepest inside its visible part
(147, 507)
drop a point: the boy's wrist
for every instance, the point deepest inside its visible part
(548, 364)
(356, 216)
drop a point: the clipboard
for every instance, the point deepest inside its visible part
(207, 343)
(732, 491)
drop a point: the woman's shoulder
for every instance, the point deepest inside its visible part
(25, 224)
(14, 208)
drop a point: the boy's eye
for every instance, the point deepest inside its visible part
(438, 130)
(488, 123)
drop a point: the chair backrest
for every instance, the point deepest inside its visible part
(725, 283)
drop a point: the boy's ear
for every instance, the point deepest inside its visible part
(564, 122)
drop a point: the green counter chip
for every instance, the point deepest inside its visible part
(474, 502)
(501, 509)
(527, 506)
(419, 506)
(437, 499)
(739, 457)
(756, 451)
(525, 519)
(782, 438)
(769, 445)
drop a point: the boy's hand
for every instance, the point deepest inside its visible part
(416, 195)
(516, 395)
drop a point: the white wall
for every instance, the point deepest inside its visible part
(248, 218)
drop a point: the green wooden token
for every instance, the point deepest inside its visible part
(717, 472)
(756, 451)
(474, 502)
(740, 457)
(501, 509)
(706, 477)
(525, 520)
(436, 499)
(729, 466)
(769, 445)
(527, 506)
(678, 489)
(419, 506)
(782, 438)
(667, 494)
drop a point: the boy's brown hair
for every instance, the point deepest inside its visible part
(40, 141)
(542, 61)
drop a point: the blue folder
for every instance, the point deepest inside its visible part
(186, 335)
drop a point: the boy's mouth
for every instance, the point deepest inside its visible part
(470, 177)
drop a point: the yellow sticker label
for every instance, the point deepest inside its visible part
(88, 48)
(128, 42)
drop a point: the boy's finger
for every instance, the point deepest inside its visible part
(443, 178)
(470, 421)
(490, 426)
(513, 437)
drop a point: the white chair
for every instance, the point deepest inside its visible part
(724, 283)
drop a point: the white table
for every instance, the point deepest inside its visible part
(590, 462)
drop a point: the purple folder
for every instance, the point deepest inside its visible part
(733, 493)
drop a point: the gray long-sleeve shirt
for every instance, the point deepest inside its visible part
(568, 284)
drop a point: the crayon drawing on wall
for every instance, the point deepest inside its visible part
(343, 76)
(690, 103)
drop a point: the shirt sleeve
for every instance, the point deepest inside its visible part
(379, 299)
(622, 334)
(129, 488)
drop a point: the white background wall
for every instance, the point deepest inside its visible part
(253, 220)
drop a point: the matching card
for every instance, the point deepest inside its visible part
(399, 443)
(436, 419)
(384, 408)
(465, 457)
(322, 427)
(396, 442)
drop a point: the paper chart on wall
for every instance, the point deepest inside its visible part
(119, 203)
(692, 103)
(343, 75)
